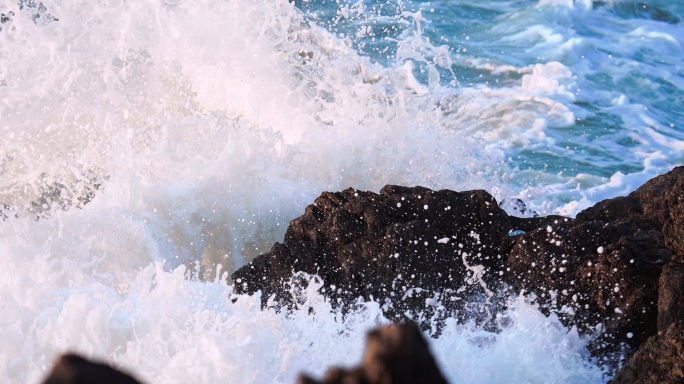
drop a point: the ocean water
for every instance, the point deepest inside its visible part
(149, 148)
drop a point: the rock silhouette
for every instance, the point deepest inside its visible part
(397, 354)
(74, 369)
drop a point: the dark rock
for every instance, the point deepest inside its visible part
(448, 245)
(641, 238)
(73, 369)
(397, 354)
(660, 201)
(616, 272)
(660, 360)
(530, 224)
(593, 273)
(671, 296)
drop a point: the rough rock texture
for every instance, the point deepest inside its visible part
(594, 273)
(397, 354)
(660, 360)
(449, 245)
(671, 296)
(620, 264)
(660, 201)
(73, 369)
(616, 272)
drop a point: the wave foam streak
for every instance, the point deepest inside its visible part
(191, 132)
(237, 102)
(168, 327)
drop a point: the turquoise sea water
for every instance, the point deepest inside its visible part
(618, 78)
(149, 148)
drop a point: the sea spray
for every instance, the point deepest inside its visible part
(169, 327)
(149, 137)
(155, 114)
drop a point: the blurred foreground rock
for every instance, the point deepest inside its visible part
(73, 369)
(397, 354)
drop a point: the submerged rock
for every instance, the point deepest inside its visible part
(397, 354)
(638, 10)
(74, 369)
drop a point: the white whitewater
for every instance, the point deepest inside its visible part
(207, 126)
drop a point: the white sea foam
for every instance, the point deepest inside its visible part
(166, 327)
(208, 125)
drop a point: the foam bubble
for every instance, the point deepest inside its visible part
(170, 327)
(191, 133)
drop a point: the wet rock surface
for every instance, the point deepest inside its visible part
(402, 248)
(659, 360)
(395, 354)
(659, 201)
(624, 271)
(616, 271)
(671, 296)
(601, 277)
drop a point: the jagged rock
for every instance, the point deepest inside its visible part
(660, 201)
(671, 296)
(74, 369)
(618, 287)
(594, 273)
(660, 360)
(619, 264)
(449, 245)
(397, 354)
(616, 272)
